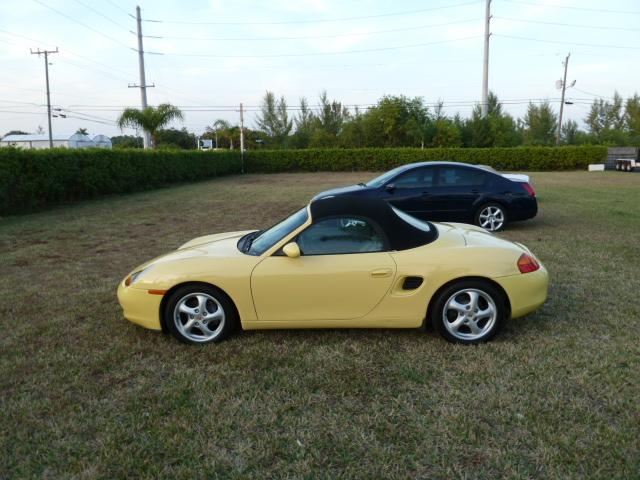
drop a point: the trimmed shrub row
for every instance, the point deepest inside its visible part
(381, 159)
(32, 179)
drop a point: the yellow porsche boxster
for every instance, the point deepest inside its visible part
(339, 262)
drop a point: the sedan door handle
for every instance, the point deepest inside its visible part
(381, 273)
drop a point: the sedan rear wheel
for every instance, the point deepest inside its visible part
(200, 314)
(491, 217)
(469, 312)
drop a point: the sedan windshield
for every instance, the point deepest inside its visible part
(385, 177)
(269, 237)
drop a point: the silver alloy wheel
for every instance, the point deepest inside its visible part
(199, 317)
(469, 314)
(491, 218)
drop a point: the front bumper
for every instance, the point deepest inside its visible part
(526, 291)
(140, 307)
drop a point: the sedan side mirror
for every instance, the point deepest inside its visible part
(291, 250)
(390, 187)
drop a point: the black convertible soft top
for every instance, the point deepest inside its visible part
(401, 234)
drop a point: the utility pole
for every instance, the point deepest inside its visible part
(46, 74)
(241, 138)
(143, 83)
(485, 64)
(564, 88)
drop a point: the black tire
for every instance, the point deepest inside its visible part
(439, 315)
(477, 221)
(214, 298)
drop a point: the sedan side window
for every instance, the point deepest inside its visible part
(461, 177)
(417, 178)
(342, 235)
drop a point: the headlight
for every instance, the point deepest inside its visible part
(134, 277)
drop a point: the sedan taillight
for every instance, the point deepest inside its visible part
(527, 264)
(529, 189)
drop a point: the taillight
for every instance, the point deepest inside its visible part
(529, 189)
(527, 264)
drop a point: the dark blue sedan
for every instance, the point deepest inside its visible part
(450, 191)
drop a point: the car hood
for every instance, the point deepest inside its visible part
(351, 189)
(217, 245)
(215, 238)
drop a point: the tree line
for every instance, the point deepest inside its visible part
(397, 121)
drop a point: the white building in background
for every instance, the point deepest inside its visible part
(77, 140)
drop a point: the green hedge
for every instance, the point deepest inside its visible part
(31, 179)
(380, 159)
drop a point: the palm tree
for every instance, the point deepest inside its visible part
(225, 130)
(150, 119)
(82, 131)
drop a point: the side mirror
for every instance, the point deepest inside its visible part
(291, 250)
(390, 187)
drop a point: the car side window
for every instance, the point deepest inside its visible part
(461, 177)
(334, 236)
(416, 178)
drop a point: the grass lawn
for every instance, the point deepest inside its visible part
(85, 394)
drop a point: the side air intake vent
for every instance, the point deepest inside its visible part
(411, 283)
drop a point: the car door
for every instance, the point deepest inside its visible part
(343, 272)
(411, 191)
(457, 192)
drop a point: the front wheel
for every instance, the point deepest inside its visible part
(469, 312)
(491, 217)
(200, 314)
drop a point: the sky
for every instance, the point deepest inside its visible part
(208, 56)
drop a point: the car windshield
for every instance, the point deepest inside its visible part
(385, 177)
(269, 237)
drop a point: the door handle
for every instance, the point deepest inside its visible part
(381, 273)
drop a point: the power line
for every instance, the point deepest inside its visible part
(602, 10)
(330, 20)
(593, 94)
(89, 117)
(97, 12)
(307, 37)
(255, 108)
(94, 69)
(113, 4)
(314, 54)
(573, 25)
(83, 24)
(559, 42)
(25, 113)
(23, 103)
(66, 50)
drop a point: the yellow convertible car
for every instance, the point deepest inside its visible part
(339, 262)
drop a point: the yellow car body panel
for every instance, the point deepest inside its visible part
(333, 291)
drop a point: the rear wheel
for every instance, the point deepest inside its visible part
(491, 217)
(200, 314)
(469, 311)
